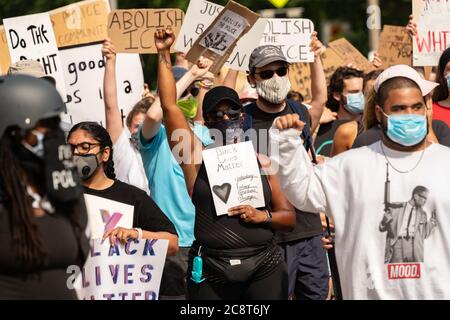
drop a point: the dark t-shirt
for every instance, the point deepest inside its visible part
(374, 134)
(308, 224)
(147, 214)
(325, 136)
(63, 249)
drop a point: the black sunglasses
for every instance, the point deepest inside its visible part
(232, 114)
(267, 74)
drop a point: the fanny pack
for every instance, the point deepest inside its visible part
(234, 265)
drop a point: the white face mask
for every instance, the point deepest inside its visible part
(38, 149)
(275, 89)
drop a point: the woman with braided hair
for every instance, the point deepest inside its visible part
(93, 153)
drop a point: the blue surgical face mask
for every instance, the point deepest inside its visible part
(38, 149)
(407, 129)
(355, 103)
(448, 81)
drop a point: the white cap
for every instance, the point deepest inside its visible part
(404, 71)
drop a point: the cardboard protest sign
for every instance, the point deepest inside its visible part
(132, 30)
(105, 215)
(395, 46)
(300, 77)
(5, 60)
(293, 36)
(32, 37)
(80, 23)
(130, 272)
(220, 38)
(433, 28)
(84, 69)
(199, 15)
(348, 53)
(234, 176)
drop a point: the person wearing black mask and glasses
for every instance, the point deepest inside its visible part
(246, 233)
(42, 215)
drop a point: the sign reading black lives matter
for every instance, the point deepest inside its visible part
(234, 176)
(32, 37)
(219, 40)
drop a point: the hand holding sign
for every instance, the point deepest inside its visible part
(120, 234)
(248, 214)
(108, 50)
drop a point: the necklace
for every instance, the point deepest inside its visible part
(401, 171)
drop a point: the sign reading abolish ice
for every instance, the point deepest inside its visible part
(105, 215)
(32, 37)
(234, 176)
(199, 16)
(132, 30)
(130, 272)
(84, 69)
(293, 36)
(433, 28)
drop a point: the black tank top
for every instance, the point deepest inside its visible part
(224, 232)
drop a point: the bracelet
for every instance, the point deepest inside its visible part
(203, 85)
(268, 218)
(139, 230)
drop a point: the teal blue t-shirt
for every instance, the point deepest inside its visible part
(167, 185)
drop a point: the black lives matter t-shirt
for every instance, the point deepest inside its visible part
(308, 224)
(147, 215)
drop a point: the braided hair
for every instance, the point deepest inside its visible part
(98, 133)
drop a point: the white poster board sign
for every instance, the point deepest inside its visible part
(293, 36)
(105, 215)
(129, 272)
(84, 69)
(32, 37)
(199, 15)
(234, 176)
(433, 28)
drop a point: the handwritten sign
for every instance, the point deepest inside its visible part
(80, 23)
(132, 30)
(129, 272)
(5, 60)
(395, 46)
(234, 176)
(32, 37)
(219, 40)
(348, 53)
(84, 70)
(433, 28)
(293, 36)
(199, 15)
(105, 215)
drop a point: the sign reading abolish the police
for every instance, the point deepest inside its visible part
(433, 31)
(132, 31)
(84, 69)
(293, 36)
(32, 37)
(5, 60)
(121, 272)
(80, 23)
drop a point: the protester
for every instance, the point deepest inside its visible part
(93, 153)
(246, 233)
(346, 98)
(441, 98)
(127, 158)
(42, 220)
(356, 197)
(302, 249)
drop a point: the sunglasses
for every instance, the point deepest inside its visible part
(267, 74)
(232, 114)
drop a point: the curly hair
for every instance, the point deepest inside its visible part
(100, 134)
(337, 84)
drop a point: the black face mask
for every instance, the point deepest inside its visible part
(55, 173)
(87, 165)
(232, 130)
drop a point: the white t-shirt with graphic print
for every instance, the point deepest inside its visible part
(350, 188)
(128, 164)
